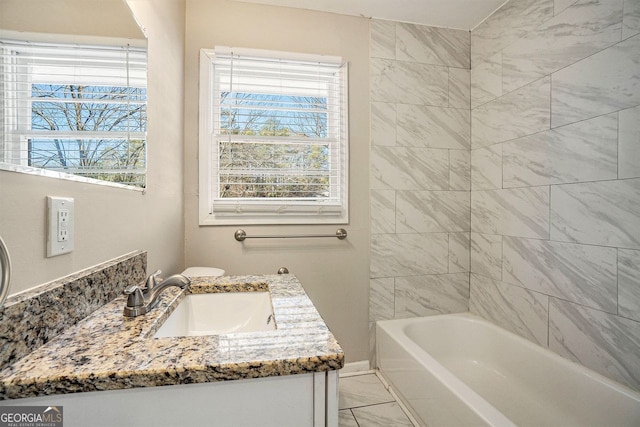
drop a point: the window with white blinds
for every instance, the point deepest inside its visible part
(74, 109)
(273, 138)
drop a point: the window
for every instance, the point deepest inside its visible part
(273, 138)
(74, 109)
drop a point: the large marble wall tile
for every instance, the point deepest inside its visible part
(600, 84)
(432, 45)
(486, 168)
(459, 252)
(512, 21)
(579, 273)
(519, 113)
(381, 299)
(383, 123)
(486, 255)
(520, 212)
(486, 80)
(599, 213)
(561, 5)
(629, 283)
(434, 294)
(583, 151)
(409, 168)
(631, 18)
(603, 342)
(629, 143)
(516, 309)
(459, 170)
(409, 254)
(432, 211)
(409, 83)
(584, 28)
(383, 211)
(433, 127)
(459, 88)
(383, 39)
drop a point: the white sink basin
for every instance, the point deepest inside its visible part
(220, 313)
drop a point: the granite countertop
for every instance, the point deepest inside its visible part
(107, 351)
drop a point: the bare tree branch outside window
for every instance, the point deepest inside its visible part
(87, 130)
(294, 165)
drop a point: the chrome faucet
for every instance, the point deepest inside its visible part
(142, 300)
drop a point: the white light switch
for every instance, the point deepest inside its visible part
(60, 236)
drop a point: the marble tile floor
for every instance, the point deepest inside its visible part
(365, 402)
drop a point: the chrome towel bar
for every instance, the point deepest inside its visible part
(240, 235)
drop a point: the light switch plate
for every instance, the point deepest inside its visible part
(60, 225)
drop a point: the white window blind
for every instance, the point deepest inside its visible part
(76, 109)
(276, 133)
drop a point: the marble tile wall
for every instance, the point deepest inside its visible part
(628, 279)
(603, 83)
(607, 342)
(629, 142)
(420, 170)
(579, 152)
(514, 114)
(522, 212)
(555, 178)
(582, 29)
(486, 255)
(509, 23)
(631, 18)
(516, 309)
(599, 213)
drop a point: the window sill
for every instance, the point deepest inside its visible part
(67, 177)
(210, 219)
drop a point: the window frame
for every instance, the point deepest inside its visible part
(269, 210)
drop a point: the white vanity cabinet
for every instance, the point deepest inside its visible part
(287, 376)
(291, 400)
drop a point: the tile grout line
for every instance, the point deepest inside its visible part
(397, 399)
(354, 417)
(369, 405)
(358, 373)
(388, 388)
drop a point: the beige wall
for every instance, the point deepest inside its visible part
(105, 18)
(334, 273)
(112, 221)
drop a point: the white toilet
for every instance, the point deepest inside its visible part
(202, 271)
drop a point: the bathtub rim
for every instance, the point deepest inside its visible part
(395, 329)
(483, 409)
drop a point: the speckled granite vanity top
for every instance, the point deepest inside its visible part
(107, 351)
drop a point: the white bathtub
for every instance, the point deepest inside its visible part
(460, 370)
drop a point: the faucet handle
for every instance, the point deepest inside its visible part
(152, 280)
(135, 297)
(135, 301)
